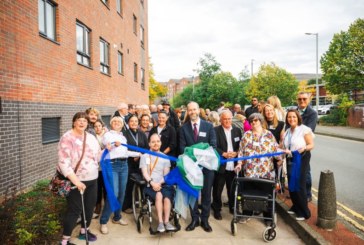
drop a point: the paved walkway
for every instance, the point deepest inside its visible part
(249, 233)
(341, 132)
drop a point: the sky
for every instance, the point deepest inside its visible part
(236, 32)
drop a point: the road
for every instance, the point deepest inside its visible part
(345, 158)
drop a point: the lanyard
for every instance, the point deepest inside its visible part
(289, 136)
(151, 168)
(135, 138)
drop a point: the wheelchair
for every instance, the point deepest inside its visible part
(142, 206)
(253, 196)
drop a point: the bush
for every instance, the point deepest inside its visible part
(338, 117)
(32, 218)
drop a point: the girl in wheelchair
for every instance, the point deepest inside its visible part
(154, 169)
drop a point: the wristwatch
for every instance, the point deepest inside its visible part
(150, 181)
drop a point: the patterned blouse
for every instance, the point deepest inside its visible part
(70, 151)
(252, 145)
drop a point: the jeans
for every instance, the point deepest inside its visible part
(119, 181)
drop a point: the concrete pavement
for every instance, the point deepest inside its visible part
(249, 233)
(341, 132)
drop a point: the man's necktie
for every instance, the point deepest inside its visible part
(195, 133)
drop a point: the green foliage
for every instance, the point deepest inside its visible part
(272, 80)
(155, 88)
(343, 63)
(338, 116)
(215, 86)
(33, 217)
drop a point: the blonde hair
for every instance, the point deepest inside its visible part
(275, 118)
(214, 118)
(276, 103)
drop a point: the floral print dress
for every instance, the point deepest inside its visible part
(252, 144)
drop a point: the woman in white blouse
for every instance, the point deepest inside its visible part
(119, 154)
(298, 137)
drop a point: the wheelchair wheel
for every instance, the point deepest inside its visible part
(140, 224)
(137, 201)
(269, 234)
(234, 228)
(176, 221)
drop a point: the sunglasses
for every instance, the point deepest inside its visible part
(254, 120)
(301, 99)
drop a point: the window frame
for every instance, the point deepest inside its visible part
(104, 65)
(119, 7)
(82, 53)
(44, 11)
(142, 36)
(135, 72)
(46, 139)
(135, 25)
(120, 64)
(142, 78)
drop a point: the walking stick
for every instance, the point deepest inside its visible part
(84, 216)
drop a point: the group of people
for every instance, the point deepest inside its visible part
(262, 128)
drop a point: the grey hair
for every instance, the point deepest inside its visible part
(256, 115)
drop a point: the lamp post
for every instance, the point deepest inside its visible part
(317, 85)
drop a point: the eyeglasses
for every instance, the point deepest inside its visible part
(254, 120)
(301, 99)
(254, 100)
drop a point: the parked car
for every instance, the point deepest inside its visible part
(326, 109)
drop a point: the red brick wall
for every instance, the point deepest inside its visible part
(35, 69)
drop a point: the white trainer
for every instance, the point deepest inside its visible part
(104, 229)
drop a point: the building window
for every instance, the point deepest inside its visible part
(119, 6)
(135, 72)
(142, 78)
(120, 63)
(106, 119)
(135, 24)
(104, 57)
(106, 2)
(142, 35)
(50, 130)
(83, 44)
(47, 18)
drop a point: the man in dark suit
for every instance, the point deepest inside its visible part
(227, 145)
(309, 118)
(253, 108)
(193, 132)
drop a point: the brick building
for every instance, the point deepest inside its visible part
(176, 86)
(57, 58)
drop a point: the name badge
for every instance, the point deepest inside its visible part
(147, 160)
(202, 134)
(236, 139)
(78, 142)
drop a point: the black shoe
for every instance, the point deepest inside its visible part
(192, 225)
(206, 227)
(217, 215)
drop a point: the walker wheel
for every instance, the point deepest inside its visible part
(140, 224)
(234, 228)
(269, 234)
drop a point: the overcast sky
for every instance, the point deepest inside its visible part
(237, 31)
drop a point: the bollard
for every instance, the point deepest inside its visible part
(326, 205)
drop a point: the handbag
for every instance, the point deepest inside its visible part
(60, 185)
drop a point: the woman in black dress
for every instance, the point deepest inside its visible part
(277, 128)
(134, 137)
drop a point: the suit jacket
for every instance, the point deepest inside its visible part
(221, 142)
(309, 118)
(206, 134)
(168, 138)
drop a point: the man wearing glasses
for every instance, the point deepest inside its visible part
(252, 109)
(309, 118)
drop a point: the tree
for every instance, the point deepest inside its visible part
(155, 88)
(272, 80)
(343, 63)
